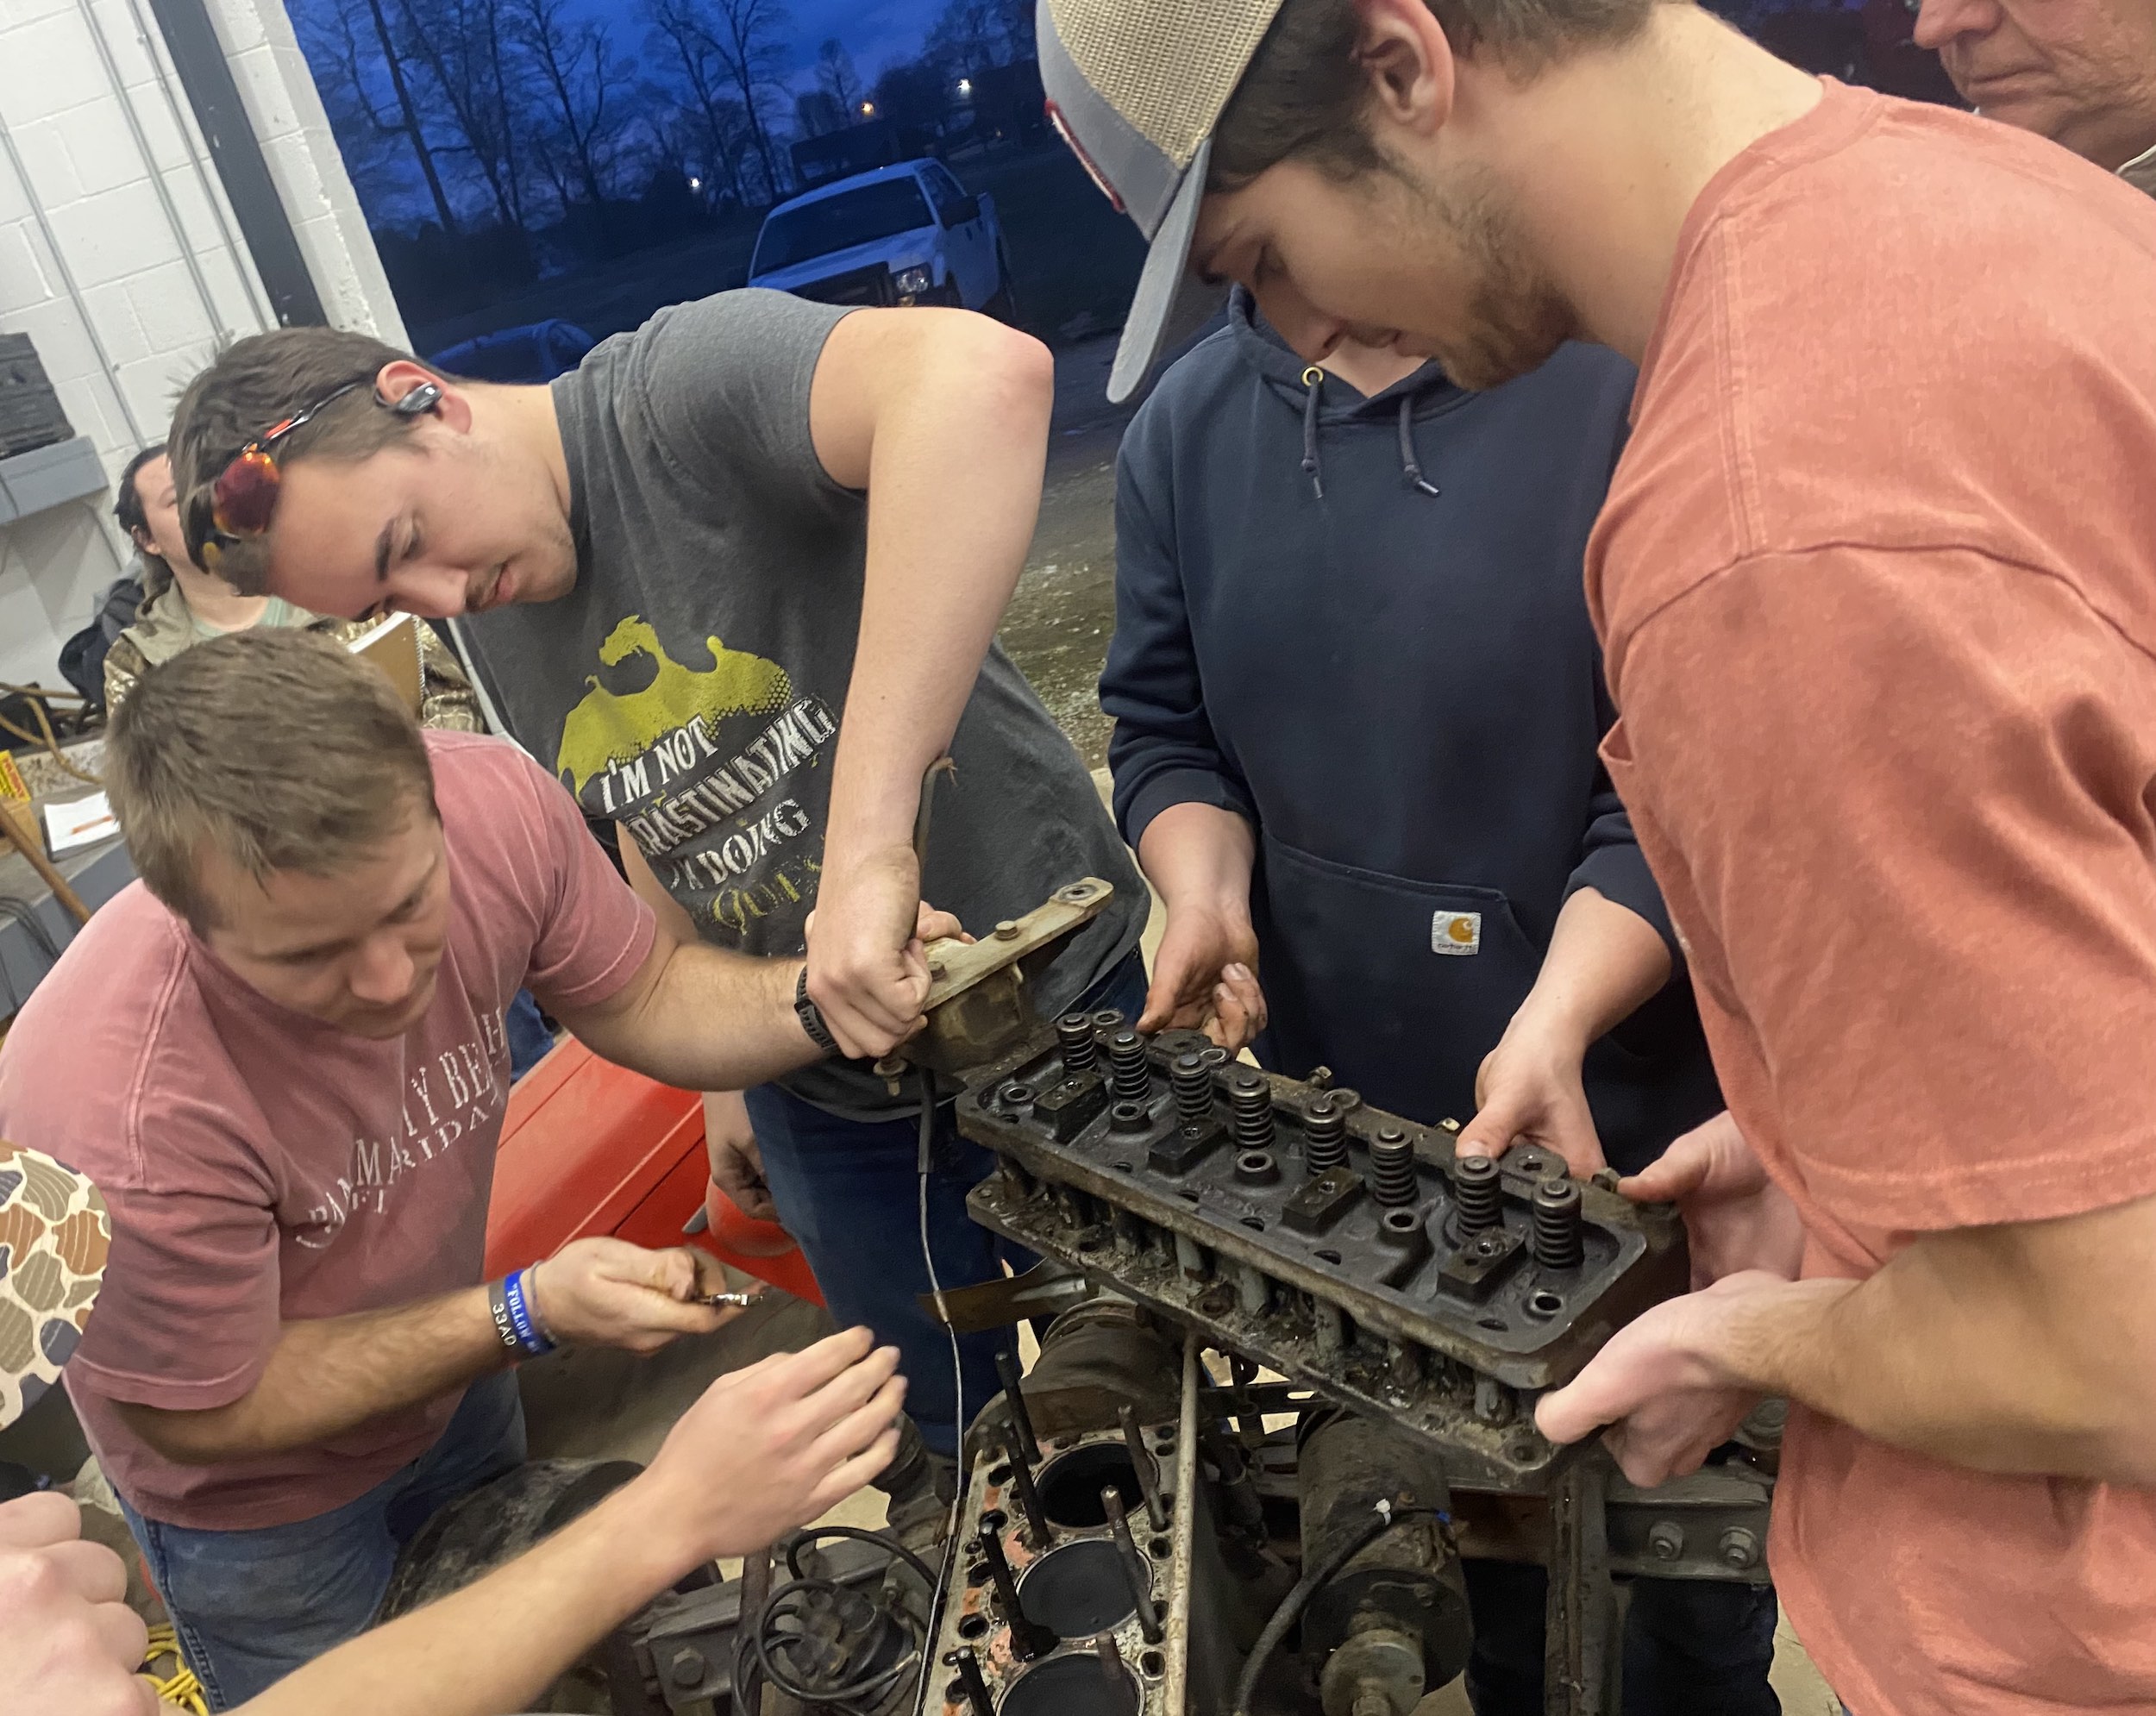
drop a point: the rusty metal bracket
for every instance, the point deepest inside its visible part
(1041, 1291)
(979, 1002)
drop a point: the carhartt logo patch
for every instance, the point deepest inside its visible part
(1456, 932)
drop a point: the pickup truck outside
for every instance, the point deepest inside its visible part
(902, 235)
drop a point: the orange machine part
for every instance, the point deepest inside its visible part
(590, 1147)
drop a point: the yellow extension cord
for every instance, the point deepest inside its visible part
(179, 1689)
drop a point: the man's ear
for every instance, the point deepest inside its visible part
(1410, 64)
(398, 378)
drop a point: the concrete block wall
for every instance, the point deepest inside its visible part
(121, 257)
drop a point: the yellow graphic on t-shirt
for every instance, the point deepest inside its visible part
(607, 727)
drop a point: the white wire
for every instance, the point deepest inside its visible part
(957, 1372)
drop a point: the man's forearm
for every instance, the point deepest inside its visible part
(956, 411)
(1604, 961)
(712, 1021)
(1199, 857)
(1977, 1347)
(495, 1644)
(329, 1374)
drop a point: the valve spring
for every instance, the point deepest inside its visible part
(1130, 1076)
(1325, 1134)
(1478, 1189)
(1073, 1031)
(1193, 1083)
(1557, 1241)
(1391, 1179)
(1250, 1097)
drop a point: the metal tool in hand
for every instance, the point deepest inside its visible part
(720, 1300)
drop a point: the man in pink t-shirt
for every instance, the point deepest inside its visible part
(280, 1056)
(1875, 584)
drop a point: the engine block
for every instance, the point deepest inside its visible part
(1341, 1246)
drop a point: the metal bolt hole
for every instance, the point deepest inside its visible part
(1000, 1475)
(972, 1626)
(1544, 1303)
(1328, 1255)
(1253, 1222)
(1152, 1665)
(995, 1518)
(1496, 1322)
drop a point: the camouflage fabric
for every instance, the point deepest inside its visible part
(162, 631)
(54, 1235)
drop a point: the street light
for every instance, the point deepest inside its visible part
(965, 87)
(867, 109)
(695, 183)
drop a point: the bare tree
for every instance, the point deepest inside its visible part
(394, 61)
(970, 35)
(702, 85)
(836, 77)
(461, 42)
(586, 85)
(750, 37)
(349, 72)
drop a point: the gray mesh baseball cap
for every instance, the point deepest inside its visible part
(1136, 87)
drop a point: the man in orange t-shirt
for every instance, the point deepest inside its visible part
(1877, 585)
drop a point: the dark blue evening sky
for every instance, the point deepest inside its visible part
(875, 32)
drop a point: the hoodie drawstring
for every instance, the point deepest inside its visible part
(1410, 466)
(1313, 384)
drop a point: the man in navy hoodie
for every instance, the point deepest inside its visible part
(1358, 702)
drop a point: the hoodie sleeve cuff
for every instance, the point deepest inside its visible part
(1620, 872)
(1179, 786)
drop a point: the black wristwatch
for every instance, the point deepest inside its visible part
(812, 1020)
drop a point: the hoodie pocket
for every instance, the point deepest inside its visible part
(1401, 986)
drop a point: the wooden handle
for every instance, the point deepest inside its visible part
(34, 849)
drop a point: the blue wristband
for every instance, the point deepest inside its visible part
(521, 1318)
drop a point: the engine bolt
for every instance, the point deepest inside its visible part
(1074, 1032)
(1325, 1133)
(1665, 1540)
(1739, 1548)
(1129, 1075)
(1478, 1189)
(1558, 1244)
(1392, 1176)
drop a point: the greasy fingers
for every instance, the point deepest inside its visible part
(1238, 1008)
(938, 926)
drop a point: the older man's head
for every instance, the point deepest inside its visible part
(2082, 72)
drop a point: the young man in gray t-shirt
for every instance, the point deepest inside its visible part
(684, 563)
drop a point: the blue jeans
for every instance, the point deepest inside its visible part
(1693, 1647)
(252, 1606)
(848, 1192)
(529, 1041)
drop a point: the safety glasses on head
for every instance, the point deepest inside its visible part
(243, 499)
